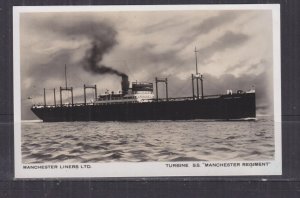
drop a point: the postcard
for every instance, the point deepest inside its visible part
(147, 91)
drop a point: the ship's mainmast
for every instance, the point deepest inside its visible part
(197, 77)
(66, 82)
(70, 89)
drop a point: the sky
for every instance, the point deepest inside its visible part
(234, 52)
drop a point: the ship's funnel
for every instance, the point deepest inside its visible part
(125, 84)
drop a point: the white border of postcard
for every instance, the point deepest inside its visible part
(148, 169)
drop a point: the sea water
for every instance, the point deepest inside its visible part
(147, 141)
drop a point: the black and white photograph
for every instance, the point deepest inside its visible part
(147, 91)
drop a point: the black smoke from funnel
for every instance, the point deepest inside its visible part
(94, 56)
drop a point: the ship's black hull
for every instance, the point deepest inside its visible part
(236, 106)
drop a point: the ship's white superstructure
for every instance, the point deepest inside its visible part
(140, 92)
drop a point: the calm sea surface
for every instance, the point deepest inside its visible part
(82, 142)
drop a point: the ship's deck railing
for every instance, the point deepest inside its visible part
(234, 95)
(187, 98)
(64, 105)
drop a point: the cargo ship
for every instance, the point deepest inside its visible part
(138, 102)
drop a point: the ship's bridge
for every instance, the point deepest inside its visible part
(142, 91)
(142, 87)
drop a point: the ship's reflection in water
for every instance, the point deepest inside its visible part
(80, 142)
